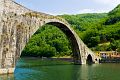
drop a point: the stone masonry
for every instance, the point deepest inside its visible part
(18, 24)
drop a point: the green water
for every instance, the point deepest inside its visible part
(37, 69)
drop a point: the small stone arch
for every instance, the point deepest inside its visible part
(89, 59)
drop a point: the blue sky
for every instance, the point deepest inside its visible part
(58, 7)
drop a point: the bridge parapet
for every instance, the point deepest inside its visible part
(45, 16)
(10, 6)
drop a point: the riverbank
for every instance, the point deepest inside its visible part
(70, 59)
(110, 60)
(63, 58)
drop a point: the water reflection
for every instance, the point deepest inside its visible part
(74, 72)
(85, 72)
(30, 70)
(80, 72)
(7, 77)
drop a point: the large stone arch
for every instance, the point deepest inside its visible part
(68, 31)
(18, 29)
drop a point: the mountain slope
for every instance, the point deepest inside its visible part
(95, 28)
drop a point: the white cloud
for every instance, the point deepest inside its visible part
(81, 12)
(86, 11)
(106, 6)
(108, 2)
(92, 11)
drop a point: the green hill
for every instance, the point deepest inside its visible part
(113, 16)
(96, 29)
(115, 11)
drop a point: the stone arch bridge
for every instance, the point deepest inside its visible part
(18, 24)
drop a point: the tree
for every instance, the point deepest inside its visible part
(47, 42)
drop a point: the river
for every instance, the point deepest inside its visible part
(37, 69)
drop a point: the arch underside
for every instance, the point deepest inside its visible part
(89, 59)
(72, 39)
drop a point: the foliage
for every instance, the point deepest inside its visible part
(47, 42)
(96, 28)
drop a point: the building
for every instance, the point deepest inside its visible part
(108, 54)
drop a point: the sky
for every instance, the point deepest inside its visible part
(59, 7)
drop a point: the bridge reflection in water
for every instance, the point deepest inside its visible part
(7, 77)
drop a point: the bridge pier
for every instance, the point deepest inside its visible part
(7, 70)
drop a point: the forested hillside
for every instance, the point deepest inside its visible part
(98, 31)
